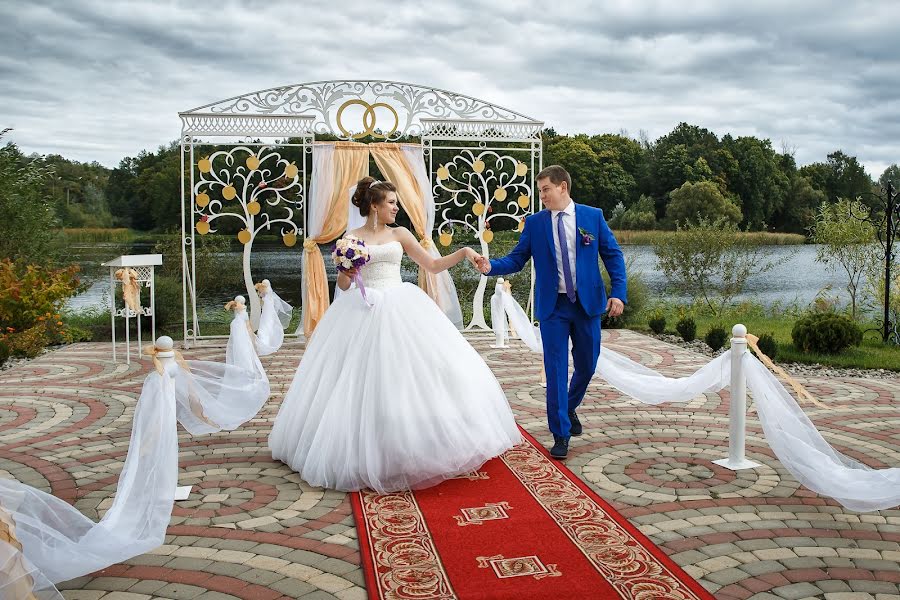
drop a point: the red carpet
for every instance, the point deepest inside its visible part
(522, 527)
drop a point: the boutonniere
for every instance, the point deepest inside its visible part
(586, 236)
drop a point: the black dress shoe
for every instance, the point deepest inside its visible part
(575, 428)
(560, 447)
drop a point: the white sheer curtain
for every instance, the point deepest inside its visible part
(320, 192)
(54, 542)
(791, 435)
(446, 296)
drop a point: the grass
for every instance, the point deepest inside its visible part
(118, 235)
(97, 234)
(871, 354)
(761, 238)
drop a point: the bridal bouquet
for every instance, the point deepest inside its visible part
(352, 253)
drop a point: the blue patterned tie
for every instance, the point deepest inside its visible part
(564, 248)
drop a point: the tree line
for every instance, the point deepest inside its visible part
(686, 174)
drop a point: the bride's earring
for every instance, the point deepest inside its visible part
(375, 223)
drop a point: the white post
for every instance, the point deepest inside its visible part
(127, 336)
(112, 309)
(166, 355)
(738, 407)
(498, 316)
(153, 302)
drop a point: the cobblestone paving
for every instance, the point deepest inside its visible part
(252, 530)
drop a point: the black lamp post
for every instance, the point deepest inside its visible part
(886, 230)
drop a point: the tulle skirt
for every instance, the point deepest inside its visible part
(390, 397)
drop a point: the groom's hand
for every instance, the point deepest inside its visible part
(483, 264)
(614, 307)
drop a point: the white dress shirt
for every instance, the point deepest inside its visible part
(569, 224)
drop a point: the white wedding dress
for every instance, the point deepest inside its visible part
(390, 396)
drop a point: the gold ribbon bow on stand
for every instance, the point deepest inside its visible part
(131, 289)
(233, 305)
(152, 351)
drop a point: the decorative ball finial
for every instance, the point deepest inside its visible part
(240, 299)
(165, 346)
(739, 331)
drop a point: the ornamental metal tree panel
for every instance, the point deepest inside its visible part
(237, 184)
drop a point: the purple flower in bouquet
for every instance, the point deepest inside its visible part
(352, 253)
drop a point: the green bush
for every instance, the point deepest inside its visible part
(31, 342)
(716, 337)
(637, 299)
(825, 333)
(687, 329)
(768, 345)
(4, 348)
(31, 297)
(169, 312)
(657, 323)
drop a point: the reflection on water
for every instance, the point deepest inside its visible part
(799, 279)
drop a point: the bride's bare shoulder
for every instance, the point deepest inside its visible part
(356, 233)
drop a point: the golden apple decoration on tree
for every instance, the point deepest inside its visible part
(252, 162)
(289, 239)
(202, 225)
(243, 236)
(253, 208)
(228, 192)
(291, 171)
(446, 238)
(202, 199)
(204, 165)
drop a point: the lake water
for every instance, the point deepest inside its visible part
(796, 280)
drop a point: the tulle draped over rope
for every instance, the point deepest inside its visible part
(44, 540)
(791, 435)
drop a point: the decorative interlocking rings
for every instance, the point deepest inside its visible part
(368, 119)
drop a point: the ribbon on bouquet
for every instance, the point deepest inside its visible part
(357, 279)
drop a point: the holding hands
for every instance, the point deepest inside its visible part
(478, 261)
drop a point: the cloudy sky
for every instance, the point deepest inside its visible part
(103, 79)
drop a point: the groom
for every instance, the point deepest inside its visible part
(564, 242)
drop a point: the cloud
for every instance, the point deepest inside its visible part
(99, 80)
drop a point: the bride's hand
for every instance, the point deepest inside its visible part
(471, 256)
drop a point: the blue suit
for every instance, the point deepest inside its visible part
(560, 319)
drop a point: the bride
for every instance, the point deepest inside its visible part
(390, 396)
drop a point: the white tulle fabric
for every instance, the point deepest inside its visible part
(445, 292)
(791, 435)
(390, 397)
(273, 321)
(59, 543)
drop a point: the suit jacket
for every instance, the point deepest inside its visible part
(536, 242)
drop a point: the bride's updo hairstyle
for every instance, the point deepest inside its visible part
(371, 192)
